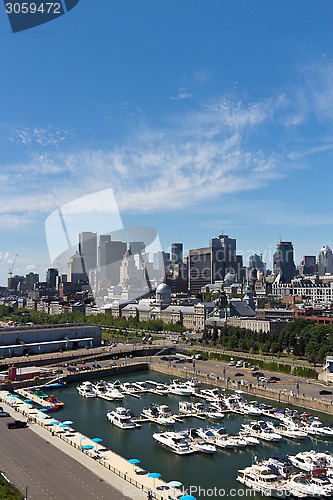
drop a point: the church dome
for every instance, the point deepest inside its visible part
(163, 294)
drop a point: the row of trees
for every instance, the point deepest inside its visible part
(22, 316)
(302, 338)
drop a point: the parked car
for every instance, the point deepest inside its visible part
(325, 392)
(4, 413)
(232, 363)
(239, 374)
(71, 368)
(112, 363)
(257, 374)
(276, 379)
(254, 368)
(17, 424)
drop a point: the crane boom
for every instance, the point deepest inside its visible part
(10, 272)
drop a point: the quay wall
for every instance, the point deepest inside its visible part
(253, 390)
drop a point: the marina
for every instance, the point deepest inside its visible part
(235, 449)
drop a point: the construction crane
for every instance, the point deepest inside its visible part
(10, 271)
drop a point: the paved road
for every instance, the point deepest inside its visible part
(29, 460)
(287, 383)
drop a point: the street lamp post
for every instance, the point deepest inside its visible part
(26, 493)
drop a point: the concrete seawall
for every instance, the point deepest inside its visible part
(267, 393)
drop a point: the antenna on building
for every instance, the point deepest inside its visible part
(280, 238)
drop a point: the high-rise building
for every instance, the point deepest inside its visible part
(110, 255)
(255, 261)
(176, 253)
(308, 266)
(88, 250)
(136, 247)
(283, 261)
(213, 263)
(75, 269)
(51, 276)
(325, 260)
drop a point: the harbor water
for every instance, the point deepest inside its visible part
(199, 470)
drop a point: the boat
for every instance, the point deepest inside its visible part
(87, 390)
(54, 401)
(311, 460)
(250, 409)
(141, 386)
(316, 428)
(287, 432)
(180, 388)
(263, 480)
(301, 483)
(174, 441)
(280, 464)
(59, 383)
(159, 414)
(186, 407)
(211, 394)
(39, 394)
(122, 418)
(194, 384)
(162, 388)
(261, 430)
(214, 414)
(196, 441)
(250, 441)
(218, 437)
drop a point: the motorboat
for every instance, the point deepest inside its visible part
(121, 418)
(280, 464)
(159, 414)
(141, 386)
(174, 441)
(186, 407)
(301, 483)
(194, 384)
(319, 477)
(165, 416)
(55, 401)
(162, 388)
(316, 428)
(250, 441)
(311, 460)
(197, 442)
(250, 409)
(214, 414)
(263, 480)
(180, 388)
(87, 390)
(211, 394)
(199, 408)
(262, 431)
(127, 387)
(288, 432)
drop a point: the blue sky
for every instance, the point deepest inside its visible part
(201, 116)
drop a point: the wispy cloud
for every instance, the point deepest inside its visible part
(183, 93)
(39, 136)
(221, 147)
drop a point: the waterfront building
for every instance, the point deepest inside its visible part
(45, 338)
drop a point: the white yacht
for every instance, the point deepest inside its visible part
(262, 479)
(111, 393)
(262, 431)
(162, 388)
(197, 442)
(287, 432)
(180, 388)
(121, 418)
(280, 464)
(250, 409)
(128, 388)
(174, 441)
(87, 389)
(300, 483)
(211, 394)
(214, 414)
(186, 407)
(250, 441)
(311, 460)
(159, 414)
(141, 386)
(316, 428)
(194, 384)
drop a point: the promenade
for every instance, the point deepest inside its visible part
(114, 470)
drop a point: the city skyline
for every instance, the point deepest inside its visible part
(224, 126)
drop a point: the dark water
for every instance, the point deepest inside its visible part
(208, 471)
